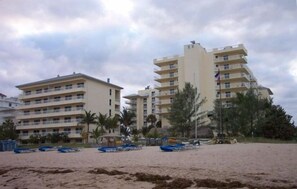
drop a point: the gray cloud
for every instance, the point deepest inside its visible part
(42, 39)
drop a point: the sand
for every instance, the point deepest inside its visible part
(210, 166)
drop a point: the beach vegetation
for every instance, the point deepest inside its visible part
(249, 115)
(184, 110)
(8, 130)
(126, 118)
(88, 118)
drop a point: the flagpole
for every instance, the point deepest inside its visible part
(218, 76)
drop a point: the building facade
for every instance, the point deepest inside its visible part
(199, 67)
(8, 107)
(143, 104)
(57, 105)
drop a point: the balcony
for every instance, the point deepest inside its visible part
(166, 77)
(50, 113)
(232, 68)
(166, 69)
(164, 103)
(167, 85)
(236, 49)
(235, 76)
(234, 86)
(51, 92)
(231, 59)
(167, 94)
(166, 60)
(51, 102)
(70, 135)
(47, 125)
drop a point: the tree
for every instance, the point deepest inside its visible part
(127, 117)
(8, 130)
(278, 124)
(88, 118)
(112, 123)
(96, 133)
(184, 110)
(151, 119)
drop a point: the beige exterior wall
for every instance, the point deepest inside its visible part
(143, 104)
(198, 67)
(57, 104)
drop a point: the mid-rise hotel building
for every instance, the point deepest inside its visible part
(57, 104)
(198, 67)
(143, 104)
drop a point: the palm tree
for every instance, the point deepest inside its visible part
(126, 119)
(101, 121)
(112, 123)
(151, 119)
(96, 133)
(88, 118)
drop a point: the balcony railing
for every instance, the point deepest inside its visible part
(47, 102)
(230, 58)
(51, 90)
(166, 76)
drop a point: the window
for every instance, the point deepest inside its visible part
(227, 85)
(68, 97)
(153, 93)
(78, 130)
(226, 66)
(45, 100)
(228, 94)
(145, 100)
(144, 106)
(26, 122)
(109, 102)
(171, 66)
(57, 109)
(80, 96)
(171, 100)
(67, 119)
(44, 111)
(67, 130)
(78, 119)
(55, 130)
(171, 91)
(218, 94)
(38, 111)
(69, 86)
(80, 85)
(57, 88)
(38, 91)
(144, 112)
(45, 90)
(27, 102)
(110, 92)
(44, 121)
(226, 75)
(67, 108)
(57, 99)
(27, 112)
(153, 99)
(225, 57)
(36, 122)
(109, 112)
(27, 92)
(79, 107)
(171, 74)
(36, 131)
(38, 101)
(25, 133)
(56, 120)
(171, 82)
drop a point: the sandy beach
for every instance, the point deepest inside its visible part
(210, 166)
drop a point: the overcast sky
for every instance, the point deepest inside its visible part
(118, 39)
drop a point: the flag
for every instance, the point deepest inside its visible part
(217, 76)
